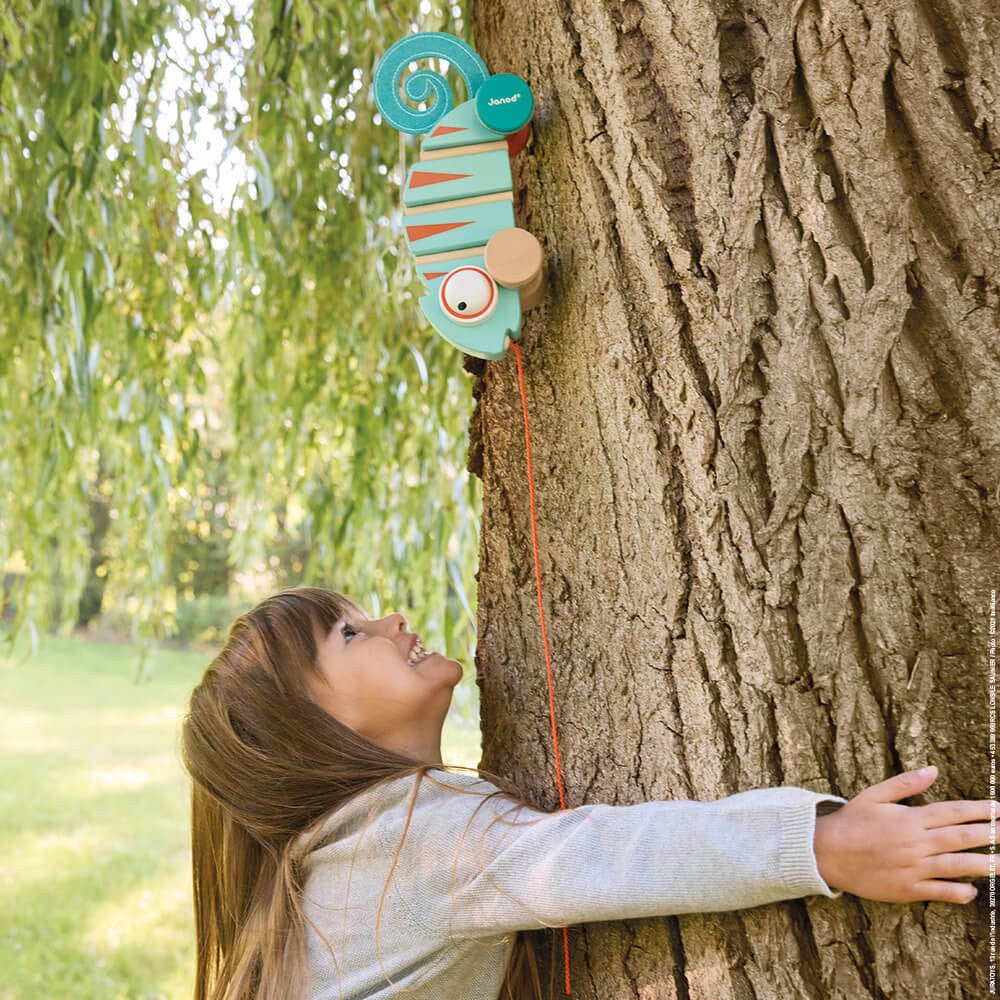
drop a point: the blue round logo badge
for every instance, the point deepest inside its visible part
(504, 103)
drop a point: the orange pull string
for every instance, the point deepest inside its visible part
(541, 613)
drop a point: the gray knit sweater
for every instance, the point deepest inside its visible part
(454, 903)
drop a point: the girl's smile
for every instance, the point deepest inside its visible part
(417, 653)
(379, 679)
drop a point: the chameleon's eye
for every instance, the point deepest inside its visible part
(468, 295)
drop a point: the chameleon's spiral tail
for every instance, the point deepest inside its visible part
(420, 84)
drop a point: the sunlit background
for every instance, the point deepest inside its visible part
(217, 383)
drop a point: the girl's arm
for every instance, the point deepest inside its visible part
(875, 848)
(531, 869)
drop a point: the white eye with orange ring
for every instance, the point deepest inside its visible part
(468, 295)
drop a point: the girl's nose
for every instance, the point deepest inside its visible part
(395, 623)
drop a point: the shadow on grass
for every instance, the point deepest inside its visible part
(68, 929)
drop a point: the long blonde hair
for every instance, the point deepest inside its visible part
(266, 763)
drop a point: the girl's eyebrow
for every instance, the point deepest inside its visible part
(351, 618)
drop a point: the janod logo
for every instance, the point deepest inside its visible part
(504, 100)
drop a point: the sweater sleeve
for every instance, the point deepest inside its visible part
(531, 869)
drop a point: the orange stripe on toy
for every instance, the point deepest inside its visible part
(415, 233)
(424, 178)
(447, 130)
(434, 274)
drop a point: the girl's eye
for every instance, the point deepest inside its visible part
(347, 629)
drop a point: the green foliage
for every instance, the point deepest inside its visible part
(201, 620)
(172, 312)
(207, 617)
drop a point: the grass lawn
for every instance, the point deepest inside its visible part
(95, 871)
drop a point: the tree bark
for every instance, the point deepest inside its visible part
(763, 388)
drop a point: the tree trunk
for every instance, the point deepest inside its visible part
(763, 388)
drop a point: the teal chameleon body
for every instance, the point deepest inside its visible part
(480, 270)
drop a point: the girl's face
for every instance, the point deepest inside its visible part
(376, 683)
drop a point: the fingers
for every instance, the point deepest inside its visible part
(943, 892)
(960, 838)
(938, 814)
(957, 866)
(966, 864)
(900, 786)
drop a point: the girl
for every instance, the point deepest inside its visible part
(310, 743)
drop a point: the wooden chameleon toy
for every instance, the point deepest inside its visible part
(480, 270)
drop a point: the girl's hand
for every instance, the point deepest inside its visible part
(875, 848)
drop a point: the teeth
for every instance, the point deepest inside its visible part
(419, 652)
